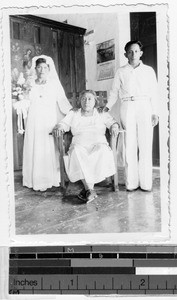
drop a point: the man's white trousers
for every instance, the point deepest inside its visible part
(136, 120)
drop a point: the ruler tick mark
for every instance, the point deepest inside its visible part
(113, 283)
(95, 285)
(41, 283)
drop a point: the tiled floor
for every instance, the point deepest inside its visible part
(112, 212)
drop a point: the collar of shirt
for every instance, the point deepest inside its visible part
(132, 68)
(95, 112)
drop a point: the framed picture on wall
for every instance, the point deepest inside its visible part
(105, 60)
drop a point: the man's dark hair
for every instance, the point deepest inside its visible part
(131, 43)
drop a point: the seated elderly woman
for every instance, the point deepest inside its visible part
(89, 158)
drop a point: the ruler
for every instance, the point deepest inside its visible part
(94, 270)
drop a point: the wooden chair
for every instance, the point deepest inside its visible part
(64, 141)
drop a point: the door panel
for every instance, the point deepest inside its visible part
(80, 66)
(65, 67)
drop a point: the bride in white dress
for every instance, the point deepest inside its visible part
(48, 106)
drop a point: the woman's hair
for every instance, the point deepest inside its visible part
(83, 93)
(40, 61)
(127, 46)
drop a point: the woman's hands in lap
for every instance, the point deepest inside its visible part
(57, 130)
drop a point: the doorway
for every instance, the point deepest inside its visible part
(143, 28)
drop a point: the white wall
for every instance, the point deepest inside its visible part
(103, 26)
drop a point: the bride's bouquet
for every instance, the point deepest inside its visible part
(20, 90)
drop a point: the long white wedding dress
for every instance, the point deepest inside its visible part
(48, 106)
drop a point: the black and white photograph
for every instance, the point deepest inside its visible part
(105, 51)
(87, 156)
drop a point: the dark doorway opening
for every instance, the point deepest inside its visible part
(143, 28)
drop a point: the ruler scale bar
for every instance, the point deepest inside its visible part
(132, 255)
(94, 282)
(94, 255)
(156, 270)
(39, 262)
(76, 270)
(102, 262)
(161, 255)
(95, 263)
(89, 270)
(155, 263)
(96, 248)
(22, 256)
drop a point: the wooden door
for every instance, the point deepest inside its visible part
(31, 36)
(143, 28)
(71, 62)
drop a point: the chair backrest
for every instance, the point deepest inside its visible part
(102, 98)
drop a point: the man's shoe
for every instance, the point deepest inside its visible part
(146, 190)
(132, 190)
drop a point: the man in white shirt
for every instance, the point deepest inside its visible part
(135, 86)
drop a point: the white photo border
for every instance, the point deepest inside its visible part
(6, 158)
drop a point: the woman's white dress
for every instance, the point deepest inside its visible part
(48, 105)
(89, 156)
